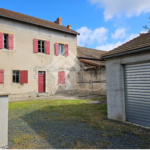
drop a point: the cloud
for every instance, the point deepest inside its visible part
(119, 34)
(111, 46)
(119, 7)
(88, 36)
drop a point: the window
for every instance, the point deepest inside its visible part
(16, 76)
(61, 49)
(20, 76)
(5, 41)
(41, 46)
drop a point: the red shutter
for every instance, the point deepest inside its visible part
(56, 49)
(61, 77)
(10, 41)
(1, 76)
(35, 45)
(66, 50)
(1, 40)
(47, 47)
(24, 76)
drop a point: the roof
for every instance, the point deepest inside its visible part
(90, 56)
(93, 62)
(89, 52)
(34, 20)
(138, 43)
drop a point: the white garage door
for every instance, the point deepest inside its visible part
(137, 93)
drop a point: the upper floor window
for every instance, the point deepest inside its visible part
(41, 46)
(61, 49)
(5, 41)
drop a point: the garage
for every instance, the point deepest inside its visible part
(128, 81)
(137, 93)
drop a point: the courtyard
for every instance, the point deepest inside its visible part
(77, 124)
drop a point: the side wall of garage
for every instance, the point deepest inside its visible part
(115, 82)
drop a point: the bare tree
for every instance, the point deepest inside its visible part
(146, 27)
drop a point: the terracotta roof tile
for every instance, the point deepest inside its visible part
(90, 53)
(142, 41)
(34, 20)
(93, 62)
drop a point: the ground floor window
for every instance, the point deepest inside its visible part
(16, 76)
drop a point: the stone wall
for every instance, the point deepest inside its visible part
(84, 81)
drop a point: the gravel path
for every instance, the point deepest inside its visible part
(64, 134)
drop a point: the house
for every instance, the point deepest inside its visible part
(91, 69)
(128, 81)
(36, 56)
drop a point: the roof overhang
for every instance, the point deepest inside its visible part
(125, 53)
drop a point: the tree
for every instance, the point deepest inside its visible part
(146, 27)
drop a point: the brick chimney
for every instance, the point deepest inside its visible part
(69, 26)
(59, 21)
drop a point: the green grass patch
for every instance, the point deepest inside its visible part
(34, 112)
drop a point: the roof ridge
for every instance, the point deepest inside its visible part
(29, 17)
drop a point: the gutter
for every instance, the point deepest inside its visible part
(125, 53)
(38, 24)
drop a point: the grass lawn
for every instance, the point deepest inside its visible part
(69, 124)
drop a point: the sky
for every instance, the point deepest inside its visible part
(102, 24)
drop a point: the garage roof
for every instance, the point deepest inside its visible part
(134, 45)
(33, 20)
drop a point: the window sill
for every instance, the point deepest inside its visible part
(41, 53)
(7, 50)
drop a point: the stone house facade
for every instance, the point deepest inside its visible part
(36, 55)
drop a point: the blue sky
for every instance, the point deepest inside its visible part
(103, 24)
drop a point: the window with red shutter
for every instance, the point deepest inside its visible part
(61, 77)
(1, 40)
(10, 41)
(66, 50)
(24, 76)
(1, 76)
(47, 47)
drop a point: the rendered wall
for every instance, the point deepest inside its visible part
(115, 83)
(23, 58)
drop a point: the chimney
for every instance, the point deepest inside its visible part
(69, 26)
(59, 21)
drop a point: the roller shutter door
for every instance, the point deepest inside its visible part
(137, 93)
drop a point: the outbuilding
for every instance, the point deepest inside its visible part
(128, 81)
